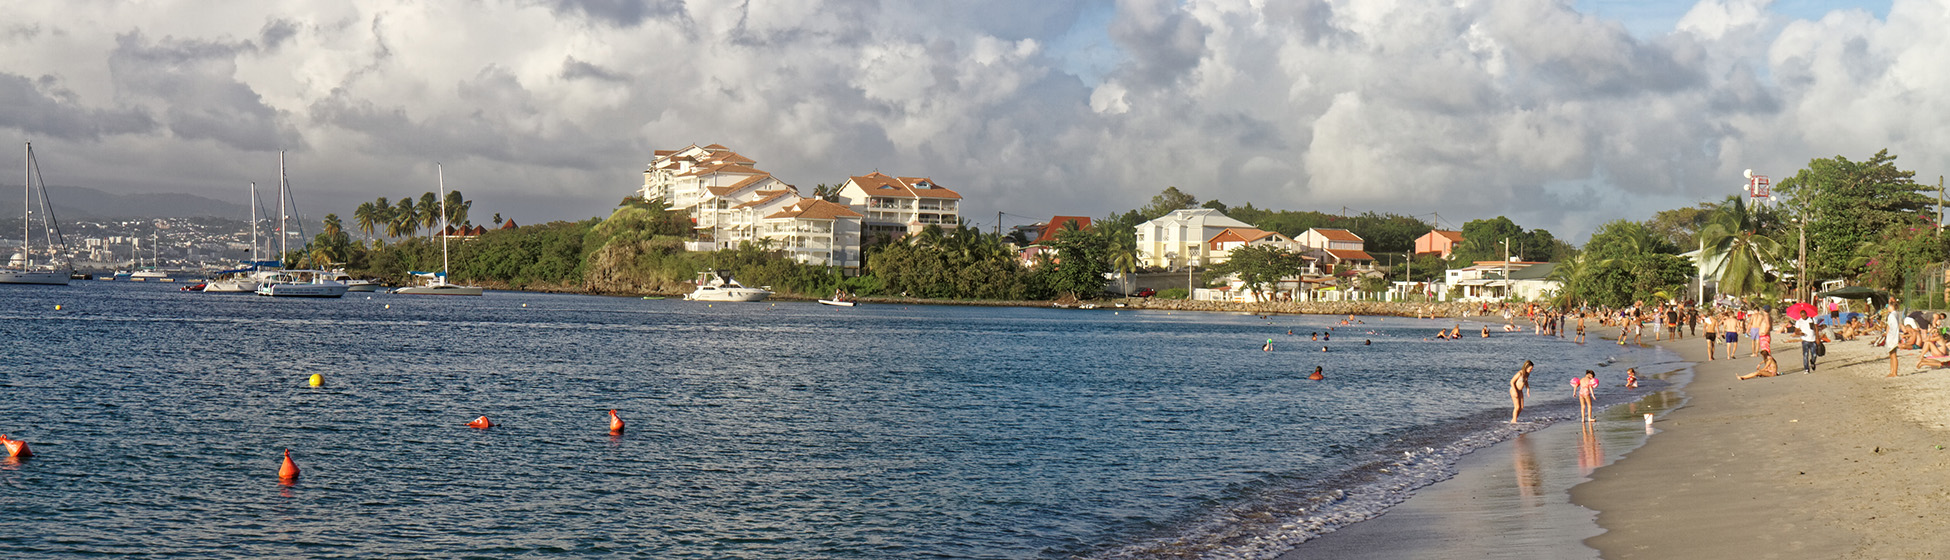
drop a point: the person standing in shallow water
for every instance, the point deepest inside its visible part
(1587, 388)
(1519, 386)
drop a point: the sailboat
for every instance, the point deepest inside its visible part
(155, 248)
(295, 283)
(437, 281)
(245, 279)
(26, 272)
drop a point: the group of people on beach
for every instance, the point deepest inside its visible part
(1585, 387)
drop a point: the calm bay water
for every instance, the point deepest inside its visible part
(760, 431)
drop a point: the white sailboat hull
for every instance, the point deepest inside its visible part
(302, 290)
(44, 277)
(440, 290)
(231, 287)
(362, 286)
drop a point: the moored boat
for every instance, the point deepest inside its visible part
(715, 287)
(301, 283)
(22, 269)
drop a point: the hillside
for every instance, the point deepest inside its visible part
(82, 203)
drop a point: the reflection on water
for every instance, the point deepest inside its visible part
(1591, 454)
(1529, 479)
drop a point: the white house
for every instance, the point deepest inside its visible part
(1338, 247)
(1499, 280)
(712, 183)
(1179, 238)
(893, 207)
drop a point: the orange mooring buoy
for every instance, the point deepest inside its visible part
(288, 472)
(615, 423)
(16, 448)
(481, 423)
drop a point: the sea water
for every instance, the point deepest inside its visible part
(756, 430)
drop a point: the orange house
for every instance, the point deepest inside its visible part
(1438, 242)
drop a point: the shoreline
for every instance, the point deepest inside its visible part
(1841, 463)
(1512, 498)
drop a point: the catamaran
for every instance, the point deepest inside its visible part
(436, 282)
(26, 272)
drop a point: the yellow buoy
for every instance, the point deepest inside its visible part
(389, 306)
(524, 305)
(317, 380)
(57, 307)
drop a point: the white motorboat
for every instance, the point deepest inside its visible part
(713, 287)
(837, 302)
(840, 298)
(436, 284)
(21, 269)
(301, 283)
(239, 281)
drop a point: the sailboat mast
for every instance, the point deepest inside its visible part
(440, 174)
(282, 249)
(254, 258)
(26, 209)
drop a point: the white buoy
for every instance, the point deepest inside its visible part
(1648, 419)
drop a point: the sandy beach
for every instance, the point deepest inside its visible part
(1842, 463)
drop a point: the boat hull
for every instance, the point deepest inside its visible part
(361, 286)
(302, 290)
(231, 287)
(448, 290)
(837, 302)
(43, 277)
(728, 294)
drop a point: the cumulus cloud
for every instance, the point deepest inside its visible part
(1526, 108)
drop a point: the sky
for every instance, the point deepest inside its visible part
(1561, 115)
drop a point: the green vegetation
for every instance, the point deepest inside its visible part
(1865, 221)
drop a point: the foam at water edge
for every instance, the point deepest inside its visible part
(1281, 515)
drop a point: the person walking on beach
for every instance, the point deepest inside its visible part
(1587, 387)
(1580, 338)
(1808, 328)
(1712, 336)
(1730, 329)
(1519, 387)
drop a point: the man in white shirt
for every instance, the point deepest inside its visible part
(1806, 327)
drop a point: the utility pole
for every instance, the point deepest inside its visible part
(1507, 288)
(1801, 294)
(998, 223)
(1699, 272)
(1409, 275)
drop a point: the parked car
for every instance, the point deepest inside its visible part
(1147, 292)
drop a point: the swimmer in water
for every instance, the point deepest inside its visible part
(1631, 378)
(1268, 347)
(1323, 348)
(1367, 343)
(1316, 376)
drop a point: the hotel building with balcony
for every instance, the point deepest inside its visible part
(894, 207)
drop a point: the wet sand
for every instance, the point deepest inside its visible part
(1511, 500)
(1842, 463)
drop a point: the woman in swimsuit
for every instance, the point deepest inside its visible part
(1587, 387)
(1768, 368)
(1519, 385)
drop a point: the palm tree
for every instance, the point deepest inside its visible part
(405, 219)
(1737, 253)
(429, 211)
(456, 208)
(366, 218)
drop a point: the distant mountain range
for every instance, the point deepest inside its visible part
(82, 203)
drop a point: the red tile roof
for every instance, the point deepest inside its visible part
(880, 184)
(1455, 236)
(1055, 226)
(814, 209)
(1334, 234)
(1350, 255)
(764, 197)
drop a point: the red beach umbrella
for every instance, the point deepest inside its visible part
(1802, 310)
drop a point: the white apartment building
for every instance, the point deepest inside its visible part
(894, 207)
(816, 232)
(1179, 238)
